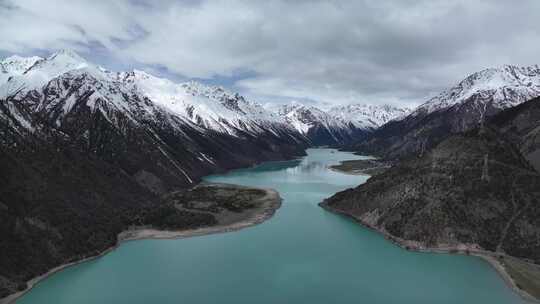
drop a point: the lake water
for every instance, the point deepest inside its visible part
(304, 254)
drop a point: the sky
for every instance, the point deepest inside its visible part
(398, 52)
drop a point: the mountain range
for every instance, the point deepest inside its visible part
(460, 108)
(188, 129)
(338, 125)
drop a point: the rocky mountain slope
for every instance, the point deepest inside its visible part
(473, 191)
(340, 124)
(521, 125)
(464, 106)
(84, 149)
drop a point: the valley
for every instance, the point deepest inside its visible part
(303, 251)
(374, 152)
(91, 158)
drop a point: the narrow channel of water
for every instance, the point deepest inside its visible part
(302, 255)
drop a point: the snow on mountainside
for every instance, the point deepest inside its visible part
(340, 124)
(363, 116)
(18, 64)
(320, 127)
(164, 134)
(15, 65)
(503, 87)
(303, 117)
(208, 107)
(42, 71)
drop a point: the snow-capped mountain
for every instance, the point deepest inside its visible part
(42, 71)
(163, 134)
(320, 127)
(340, 124)
(460, 108)
(207, 106)
(303, 117)
(502, 88)
(15, 65)
(364, 116)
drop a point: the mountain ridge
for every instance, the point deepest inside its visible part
(460, 108)
(340, 124)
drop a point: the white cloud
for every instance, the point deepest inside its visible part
(334, 52)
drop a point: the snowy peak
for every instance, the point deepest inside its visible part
(66, 55)
(57, 64)
(352, 116)
(319, 126)
(504, 87)
(463, 107)
(15, 65)
(18, 64)
(209, 107)
(42, 71)
(364, 116)
(303, 117)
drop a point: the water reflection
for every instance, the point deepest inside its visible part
(307, 167)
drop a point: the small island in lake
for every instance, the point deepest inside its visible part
(361, 166)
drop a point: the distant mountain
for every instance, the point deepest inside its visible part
(499, 88)
(363, 116)
(339, 125)
(81, 147)
(317, 125)
(464, 106)
(206, 106)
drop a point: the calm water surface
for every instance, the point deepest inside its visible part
(302, 255)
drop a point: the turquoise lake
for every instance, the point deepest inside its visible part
(303, 254)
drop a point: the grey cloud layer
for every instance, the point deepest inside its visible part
(343, 51)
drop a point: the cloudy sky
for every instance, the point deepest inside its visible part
(326, 52)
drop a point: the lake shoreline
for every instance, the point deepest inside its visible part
(488, 256)
(272, 202)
